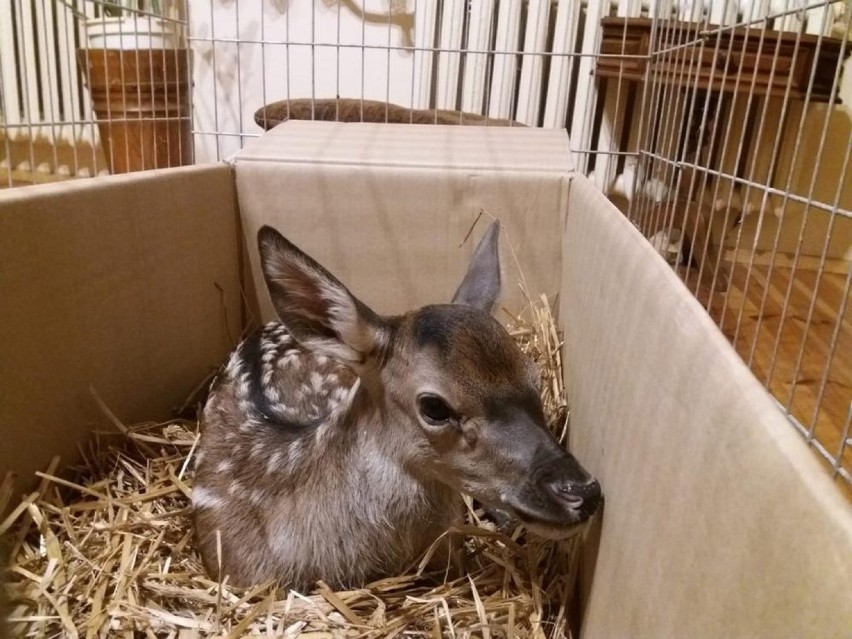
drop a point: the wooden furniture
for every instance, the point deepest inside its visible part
(141, 99)
(708, 57)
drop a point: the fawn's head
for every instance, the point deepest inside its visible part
(446, 386)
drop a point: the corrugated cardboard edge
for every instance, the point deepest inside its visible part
(719, 521)
(412, 146)
(111, 282)
(392, 233)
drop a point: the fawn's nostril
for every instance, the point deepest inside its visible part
(576, 495)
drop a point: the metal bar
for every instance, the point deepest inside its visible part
(422, 49)
(828, 208)
(587, 95)
(762, 127)
(561, 68)
(776, 149)
(387, 69)
(476, 91)
(5, 104)
(449, 58)
(535, 40)
(816, 445)
(412, 103)
(636, 213)
(809, 202)
(28, 73)
(426, 17)
(505, 59)
(363, 61)
(336, 68)
(240, 67)
(214, 69)
(844, 442)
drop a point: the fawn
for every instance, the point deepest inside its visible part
(335, 443)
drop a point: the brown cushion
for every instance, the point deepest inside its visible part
(355, 110)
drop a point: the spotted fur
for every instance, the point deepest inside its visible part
(315, 461)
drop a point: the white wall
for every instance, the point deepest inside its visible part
(235, 75)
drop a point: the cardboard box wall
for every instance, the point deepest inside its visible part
(718, 520)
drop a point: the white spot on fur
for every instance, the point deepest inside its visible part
(224, 466)
(295, 452)
(234, 488)
(316, 381)
(204, 498)
(349, 396)
(323, 430)
(274, 462)
(272, 394)
(233, 367)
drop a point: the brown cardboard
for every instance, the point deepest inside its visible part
(110, 282)
(386, 207)
(718, 520)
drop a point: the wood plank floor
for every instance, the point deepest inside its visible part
(806, 365)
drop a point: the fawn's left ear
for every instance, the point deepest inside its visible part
(481, 284)
(316, 308)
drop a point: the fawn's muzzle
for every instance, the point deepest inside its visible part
(584, 497)
(558, 496)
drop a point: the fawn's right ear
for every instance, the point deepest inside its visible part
(316, 308)
(481, 284)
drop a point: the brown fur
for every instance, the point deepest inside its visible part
(317, 460)
(355, 110)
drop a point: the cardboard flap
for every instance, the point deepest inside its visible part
(349, 195)
(127, 283)
(719, 522)
(480, 148)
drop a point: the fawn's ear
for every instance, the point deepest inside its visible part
(316, 308)
(481, 284)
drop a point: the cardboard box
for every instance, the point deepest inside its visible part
(718, 520)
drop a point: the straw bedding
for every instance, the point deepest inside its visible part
(106, 549)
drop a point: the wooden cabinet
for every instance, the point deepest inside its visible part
(719, 59)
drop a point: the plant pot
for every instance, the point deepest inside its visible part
(141, 100)
(131, 32)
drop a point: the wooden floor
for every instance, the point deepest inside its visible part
(773, 341)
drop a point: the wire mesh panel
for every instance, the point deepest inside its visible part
(743, 184)
(90, 87)
(721, 128)
(715, 125)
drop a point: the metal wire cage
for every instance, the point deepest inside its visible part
(721, 128)
(92, 88)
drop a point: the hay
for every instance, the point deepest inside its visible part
(106, 549)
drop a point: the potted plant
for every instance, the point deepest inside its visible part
(128, 24)
(137, 69)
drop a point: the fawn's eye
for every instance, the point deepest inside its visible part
(435, 410)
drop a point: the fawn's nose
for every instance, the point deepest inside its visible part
(585, 496)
